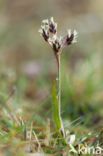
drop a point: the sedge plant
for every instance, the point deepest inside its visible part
(48, 31)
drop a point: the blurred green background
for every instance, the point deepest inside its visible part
(28, 67)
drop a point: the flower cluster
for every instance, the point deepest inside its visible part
(48, 31)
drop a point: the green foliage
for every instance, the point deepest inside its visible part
(56, 111)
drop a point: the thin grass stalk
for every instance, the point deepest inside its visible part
(48, 31)
(58, 58)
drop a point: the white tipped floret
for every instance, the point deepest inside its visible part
(75, 36)
(69, 32)
(45, 21)
(52, 19)
(56, 25)
(75, 33)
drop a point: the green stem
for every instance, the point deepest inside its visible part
(58, 57)
(59, 83)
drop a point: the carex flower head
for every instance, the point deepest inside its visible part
(48, 31)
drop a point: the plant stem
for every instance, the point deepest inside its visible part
(58, 57)
(59, 82)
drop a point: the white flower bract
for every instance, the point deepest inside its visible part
(49, 32)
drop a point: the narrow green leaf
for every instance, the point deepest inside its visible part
(55, 106)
